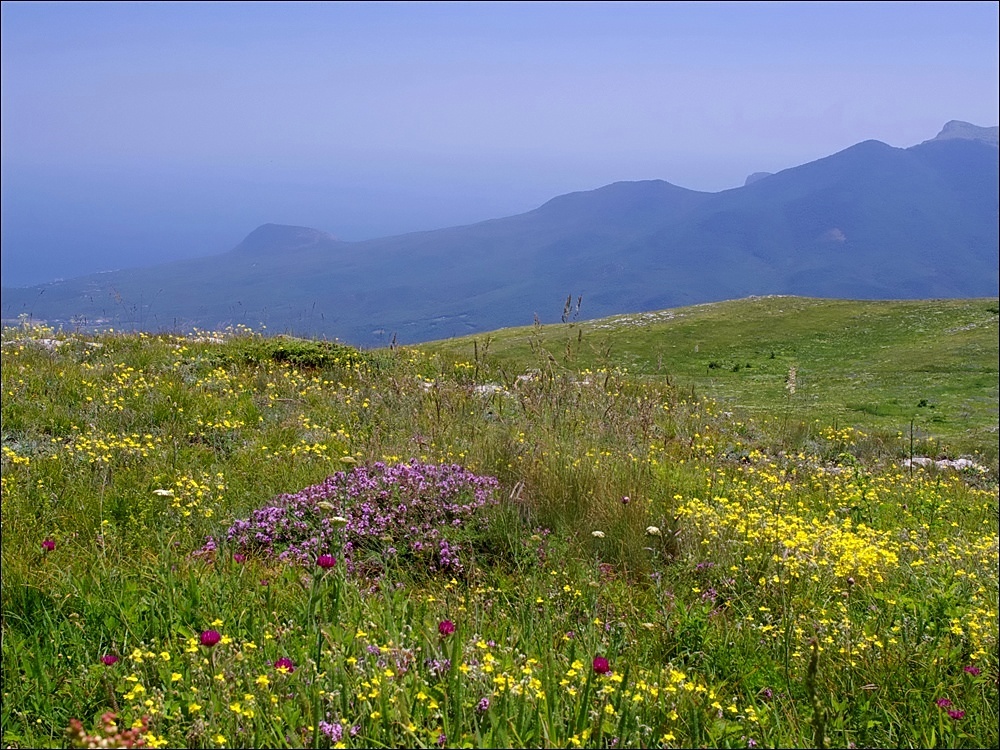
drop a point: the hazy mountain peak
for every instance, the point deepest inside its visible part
(268, 238)
(968, 132)
(756, 176)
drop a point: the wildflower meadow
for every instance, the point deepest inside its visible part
(231, 540)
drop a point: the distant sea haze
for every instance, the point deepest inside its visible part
(869, 222)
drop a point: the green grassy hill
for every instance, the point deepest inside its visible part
(230, 540)
(877, 365)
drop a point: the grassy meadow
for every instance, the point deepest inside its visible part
(691, 528)
(873, 363)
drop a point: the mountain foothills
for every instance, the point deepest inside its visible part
(869, 222)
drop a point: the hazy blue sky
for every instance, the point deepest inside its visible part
(134, 133)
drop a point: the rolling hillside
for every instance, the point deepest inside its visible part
(873, 364)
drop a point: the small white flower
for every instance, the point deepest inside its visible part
(597, 534)
(653, 530)
(164, 493)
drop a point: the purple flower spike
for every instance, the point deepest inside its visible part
(48, 545)
(332, 730)
(210, 637)
(601, 665)
(109, 659)
(446, 627)
(326, 561)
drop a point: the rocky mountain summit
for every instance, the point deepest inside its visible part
(755, 177)
(969, 132)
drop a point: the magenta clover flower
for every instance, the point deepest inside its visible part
(239, 558)
(109, 659)
(601, 665)
(284, 665)
(943, 702)
(48, 545)
(973, 670)
(326, 561)
(446, 627)
(210, 637)
(956, 714)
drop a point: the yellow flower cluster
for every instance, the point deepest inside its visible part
(98, 448)
(17, 460)
(800, 546)
(121, 387)
(229, 422)
(191, 494)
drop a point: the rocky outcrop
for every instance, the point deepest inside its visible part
(968, 132)
(756, 176)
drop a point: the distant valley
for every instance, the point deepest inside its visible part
(869, 222)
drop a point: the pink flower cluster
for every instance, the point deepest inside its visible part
(415, 511)
(284, 665)
(952, 712)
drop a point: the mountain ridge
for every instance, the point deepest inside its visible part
(871, 221)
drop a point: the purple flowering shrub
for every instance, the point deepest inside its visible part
(409, 512)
